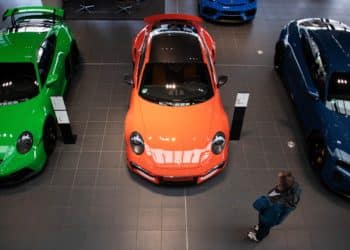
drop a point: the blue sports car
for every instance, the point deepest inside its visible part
(228, 10)
(313, 58)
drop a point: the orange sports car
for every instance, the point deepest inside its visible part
(176, 129)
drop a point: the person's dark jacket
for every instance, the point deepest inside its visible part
(273, 213)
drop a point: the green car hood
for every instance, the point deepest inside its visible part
(17, 118)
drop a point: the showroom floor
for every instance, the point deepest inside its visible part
(87, 199)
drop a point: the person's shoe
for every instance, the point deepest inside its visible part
(252, 236)
(256, 228)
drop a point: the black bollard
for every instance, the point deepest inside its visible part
(238, 115)
(63, 120)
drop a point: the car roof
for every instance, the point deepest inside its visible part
(175, 47)
(20, 46)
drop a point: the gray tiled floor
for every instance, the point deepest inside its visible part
(87, 199)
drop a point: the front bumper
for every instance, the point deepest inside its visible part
(336, 176)
(177, 176)
(231, 14)
(17, 167)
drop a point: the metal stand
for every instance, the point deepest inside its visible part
(84, 7)
(67, 134)
(125, 7)
(62, 118)
(238, 116)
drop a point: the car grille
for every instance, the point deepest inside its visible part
(232, 13)
(178, 180)
(235, 4)
(230, 18)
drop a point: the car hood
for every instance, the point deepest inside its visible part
(17, 118)
(172, 128)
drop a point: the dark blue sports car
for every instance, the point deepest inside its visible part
(313, 58)
(228, 10)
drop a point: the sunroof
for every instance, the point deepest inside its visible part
(175, 48)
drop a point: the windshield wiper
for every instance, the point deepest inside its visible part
(193, 99)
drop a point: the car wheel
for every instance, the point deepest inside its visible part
(278, 58)
(317, 153)
(50, 135)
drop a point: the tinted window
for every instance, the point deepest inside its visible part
(315, 63)
(45, 57)
(17, 82)
(176, 83)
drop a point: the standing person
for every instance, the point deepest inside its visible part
(274, 207)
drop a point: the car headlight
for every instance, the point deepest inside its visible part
(218, 143)
(137, 144)
(24, 142)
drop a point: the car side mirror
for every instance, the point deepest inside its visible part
(128, 79)
(51, 79)
(222, 80)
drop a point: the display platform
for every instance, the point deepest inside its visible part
(112, 10)
(87, 199)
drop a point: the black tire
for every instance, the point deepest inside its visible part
(316, 153)
(278, 58)
(50, 135)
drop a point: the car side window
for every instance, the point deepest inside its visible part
(45, 56)
(141, 61)
(315, 63)
(211, 69)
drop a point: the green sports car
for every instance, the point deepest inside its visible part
(37, 56)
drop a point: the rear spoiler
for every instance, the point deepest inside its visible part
(172, 17)
(50, 11)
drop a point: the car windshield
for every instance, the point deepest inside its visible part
(17, 82)
(338, 98)
(176, 84)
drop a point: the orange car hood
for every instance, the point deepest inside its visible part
(177, 135)
(175, 128)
